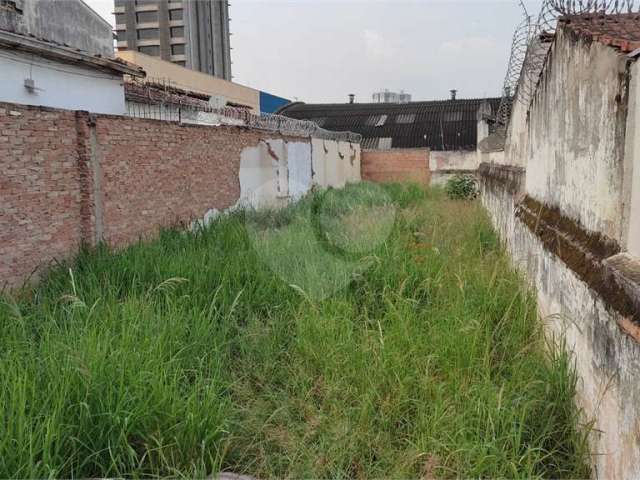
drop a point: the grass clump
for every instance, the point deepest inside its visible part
(301, 343)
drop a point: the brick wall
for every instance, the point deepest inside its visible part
(158, 173)
(396, 165)
(68, 178)
(40, 190)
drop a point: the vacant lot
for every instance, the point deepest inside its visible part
(363, 333)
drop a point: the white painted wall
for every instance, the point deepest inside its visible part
(574, 158)
(351, 161)
(299, 163)
(632, 163)
(259, 175)
(59, 85)
(445, 164)
(276, 172)
(572, 143)
(453, 160)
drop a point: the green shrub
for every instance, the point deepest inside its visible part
(462, 187)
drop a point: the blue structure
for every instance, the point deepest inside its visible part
(271, 103)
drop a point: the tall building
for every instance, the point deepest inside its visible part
(191, 33)
(391, 97)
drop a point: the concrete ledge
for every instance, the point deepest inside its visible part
(504, 177)
(592, 257)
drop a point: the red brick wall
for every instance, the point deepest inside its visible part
(68, 177)
(158, 173)
(39, 190)
(396, 165)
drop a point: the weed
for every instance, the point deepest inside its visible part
(462, 187)
(188, 355)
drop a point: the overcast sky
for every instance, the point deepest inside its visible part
(322, 50)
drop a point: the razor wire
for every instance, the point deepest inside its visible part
(165, 100)
(238, 117)
(532, 41)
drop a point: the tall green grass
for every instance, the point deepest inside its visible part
(206, 352)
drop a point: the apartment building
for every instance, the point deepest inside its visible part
(190, 33)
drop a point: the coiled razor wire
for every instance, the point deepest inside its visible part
(532, 40)
(244, 117)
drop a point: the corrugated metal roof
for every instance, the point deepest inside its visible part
(438, 125)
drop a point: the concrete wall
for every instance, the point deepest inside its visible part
(446, 164)
(59, 85)
(631, 181)
(396, 165)
(563, 201)
(576, 134)
(419, 165)
(72, 177)
(221, 90)
(335, 163)
(70, 22)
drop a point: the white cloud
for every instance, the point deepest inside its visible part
(376, 46)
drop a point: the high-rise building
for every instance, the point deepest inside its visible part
(191, 33)
(391, 97)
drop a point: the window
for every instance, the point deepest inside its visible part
(121, 35)
(177, 49)
(177, 32)
(175, 14)
(153, 50)
(148, 34)
(121, 19)
(376, 120)
(147, 17)
(406, 118)
(146, 2)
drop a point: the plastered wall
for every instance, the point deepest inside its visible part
(335, 164)
(576, 134)
(572, 155)
(446, 164)
(59, 85)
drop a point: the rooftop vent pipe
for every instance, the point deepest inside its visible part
(454, 92)
(352, 98)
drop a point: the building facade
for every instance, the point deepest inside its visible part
(193, 34)
(66, 22)
(59, 53)
(391, 97)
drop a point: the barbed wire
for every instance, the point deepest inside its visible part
(196, 114)
(532, 40)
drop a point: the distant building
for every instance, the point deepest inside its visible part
(270, 103)
(391, 97)
(190, 33)
(424, 142)
(70, 22)
(44, 62)
(220, 92)
(439, 125)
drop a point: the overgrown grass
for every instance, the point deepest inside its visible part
(266, 345)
